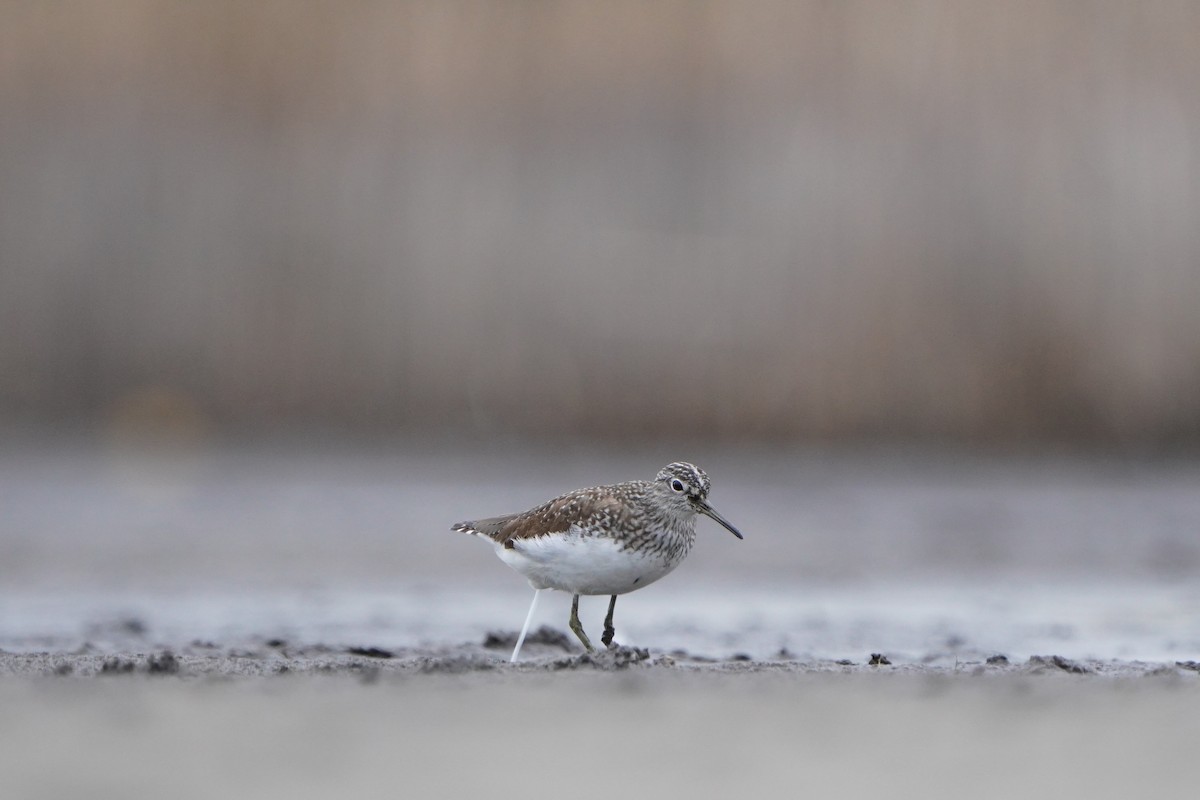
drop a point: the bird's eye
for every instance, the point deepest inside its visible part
(677, 485)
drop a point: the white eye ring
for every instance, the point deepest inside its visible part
(677, 485)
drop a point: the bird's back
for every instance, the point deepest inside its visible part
(598, 510)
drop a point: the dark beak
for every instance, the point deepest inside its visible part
(707, 510)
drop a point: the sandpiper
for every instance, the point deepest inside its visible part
(605, 540)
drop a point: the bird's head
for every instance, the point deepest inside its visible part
(688, 486)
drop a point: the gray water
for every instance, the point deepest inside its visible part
(926, 555)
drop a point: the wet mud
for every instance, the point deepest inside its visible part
(547, 650)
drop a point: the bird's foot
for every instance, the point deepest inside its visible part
(577, 626)
(583, 638)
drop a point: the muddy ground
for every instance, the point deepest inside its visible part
(546, 650)
(301, 623)
(300, 722)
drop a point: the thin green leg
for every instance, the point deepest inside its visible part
(578, 627)
(609, 631)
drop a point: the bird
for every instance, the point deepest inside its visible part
(602, 540)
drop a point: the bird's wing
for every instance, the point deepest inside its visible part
(490, 527)
(556, 516)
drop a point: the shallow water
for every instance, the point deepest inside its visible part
(935, 624)
(927, 556)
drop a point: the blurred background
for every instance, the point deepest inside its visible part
(873, 264)
(961, 221)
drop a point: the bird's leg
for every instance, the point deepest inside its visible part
(609, 631)
(525, 627)
(578, 627)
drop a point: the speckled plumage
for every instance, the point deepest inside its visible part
(604, 540)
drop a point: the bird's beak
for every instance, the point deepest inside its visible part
(707, 510)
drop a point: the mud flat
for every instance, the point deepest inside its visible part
(546, 651)
(458, 721)
(260, 624)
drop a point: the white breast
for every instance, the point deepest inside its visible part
(579, 564)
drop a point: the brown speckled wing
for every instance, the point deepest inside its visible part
(593, 506)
